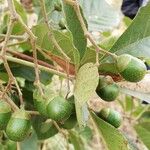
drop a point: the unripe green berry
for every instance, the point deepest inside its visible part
(41, 106)
(69, 123)
(18, 126)
(109, 92)
(59, 109)
(40, 102)
(111, 116)
(131, 68)
(5, 113)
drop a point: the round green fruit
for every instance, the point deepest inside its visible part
(40, 103)
(18, 126)
(111, 116)
(5, 114)
(109, 92)
(41, 106)
(59, 109)
(131, 68)
(70, 122)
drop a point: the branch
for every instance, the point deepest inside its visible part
(13, 36)
(33, 41)
(7, 99)
(3, 57)
(29, 64)
(51, 35)
(29, 58)
(76, 7)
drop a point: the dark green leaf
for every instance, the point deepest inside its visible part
(63, 39)
(30, 143)
(135, 40)
(43, 130)
(74, 26)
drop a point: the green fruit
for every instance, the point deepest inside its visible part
(18, 126)
(70, 122)
(41, 106)
(131, 68)
(40, 103)
(111, 116)
(59, 109)
(62, 23)
(5, 113)
(57, 5)
(109, 92)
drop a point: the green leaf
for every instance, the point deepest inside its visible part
(137, 94)
(89, 56)
(64, 39)
(143, 131)
(18, 29)
(129, 103)
(43, 130)
(74, 26)
(86, 133)
(27, 73)
(100, 15)
(138, 111)
(135, 40)
(76, 140)
(113, 139)
(30, 143)
(4, 76)
(86, 82)
(108, 68)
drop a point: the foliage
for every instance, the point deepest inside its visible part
(45, 64)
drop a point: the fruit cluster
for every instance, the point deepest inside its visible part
(131, 69)
(17, 125)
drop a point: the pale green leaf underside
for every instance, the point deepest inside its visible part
(86, 82)
(85, 86)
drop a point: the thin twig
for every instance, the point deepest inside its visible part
(13, 36)
(33, 42)
(37, 72)
(51, 35)
(3, 57)
(30, 59)
(8, 100)
(18, 146)
(33, 112)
